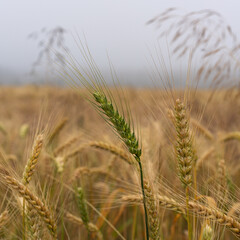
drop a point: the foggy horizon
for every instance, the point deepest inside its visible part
(117, 29)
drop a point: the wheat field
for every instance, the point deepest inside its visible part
(165, 167)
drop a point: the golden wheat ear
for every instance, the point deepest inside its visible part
(41, 209)
(185, 154)
(32, 162)
(153, 214)
(184, 149)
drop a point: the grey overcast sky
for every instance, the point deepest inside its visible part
(115, 26)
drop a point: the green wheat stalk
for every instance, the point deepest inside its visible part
(124, 130)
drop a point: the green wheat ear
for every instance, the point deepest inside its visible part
(123, 129)
(119, 124)
(82, 206)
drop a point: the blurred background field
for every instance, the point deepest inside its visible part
(105, 177)
(77, 135)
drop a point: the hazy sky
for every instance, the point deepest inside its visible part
(116, 26)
